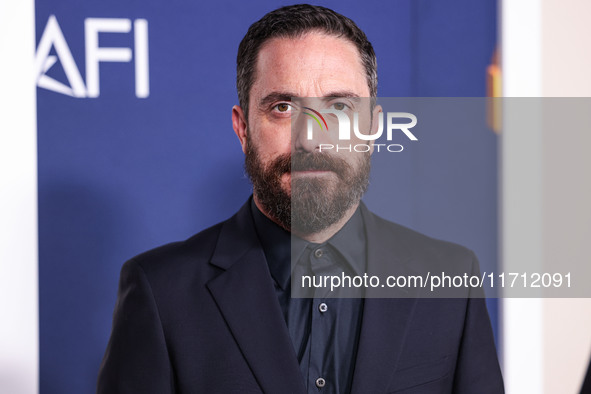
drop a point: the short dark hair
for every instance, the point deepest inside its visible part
(294, 21)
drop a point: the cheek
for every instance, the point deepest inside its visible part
(269, 147)
(276, 142)
(272, 134)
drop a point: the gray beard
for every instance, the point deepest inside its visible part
(314, 208)
(313, 205)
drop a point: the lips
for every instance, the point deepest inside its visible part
(308, 162)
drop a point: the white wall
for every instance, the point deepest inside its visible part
(546, 189)
(18, 200)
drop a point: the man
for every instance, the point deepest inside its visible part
(214, 314)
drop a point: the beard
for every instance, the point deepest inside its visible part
(311, 204)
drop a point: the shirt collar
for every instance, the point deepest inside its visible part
(276, 243)
(349, 241)
(280, 247)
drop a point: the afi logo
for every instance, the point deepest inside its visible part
(345, 124)
(53, 37)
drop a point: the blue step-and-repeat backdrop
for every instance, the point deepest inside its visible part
(136, 147)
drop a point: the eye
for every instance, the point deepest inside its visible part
(282, 108)
(340, 106)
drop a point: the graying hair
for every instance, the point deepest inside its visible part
(291, 22)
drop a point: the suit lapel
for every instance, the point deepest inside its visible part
(385, 320)
(246, 297)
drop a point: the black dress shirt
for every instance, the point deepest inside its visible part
(324, 328)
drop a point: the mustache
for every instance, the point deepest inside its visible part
(307, 161)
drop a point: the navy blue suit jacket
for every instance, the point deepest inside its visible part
(202, 316)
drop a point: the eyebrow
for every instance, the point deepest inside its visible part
(275, 96)
(287, 96)
(342, 94)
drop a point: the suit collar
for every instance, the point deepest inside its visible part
(237, 237)
(246, 297)
(385, 320)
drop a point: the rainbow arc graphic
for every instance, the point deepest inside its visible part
(316, 117)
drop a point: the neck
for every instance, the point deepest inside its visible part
(319, 237)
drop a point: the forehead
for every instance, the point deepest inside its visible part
(312, 65)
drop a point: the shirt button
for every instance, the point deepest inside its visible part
(318, 253)
(320, 383)
(323, 307)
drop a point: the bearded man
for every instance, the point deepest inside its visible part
(215, 313)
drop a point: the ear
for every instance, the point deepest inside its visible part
(239, 125)
(375, 123)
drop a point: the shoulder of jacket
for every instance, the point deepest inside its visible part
(198, 248)
(419, 243)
